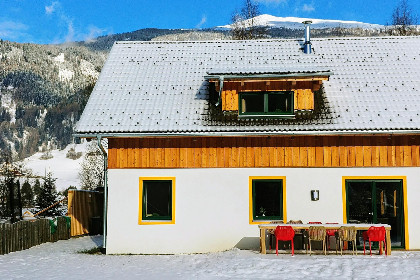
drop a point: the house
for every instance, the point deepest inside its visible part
(206, 140)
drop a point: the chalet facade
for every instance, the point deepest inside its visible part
(208, 139)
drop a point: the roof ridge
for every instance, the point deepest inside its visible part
(266, 40)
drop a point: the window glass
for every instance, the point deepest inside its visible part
(377, 202)
(279, 102)
(252, 103)
(267, 199)
(266, 103)
(157, 200)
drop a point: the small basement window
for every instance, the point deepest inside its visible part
(157, 200)
(266, 103)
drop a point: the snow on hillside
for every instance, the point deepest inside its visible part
(296, 23)
(66, 170)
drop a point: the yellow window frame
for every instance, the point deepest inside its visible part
(251, 217)
(157, 222)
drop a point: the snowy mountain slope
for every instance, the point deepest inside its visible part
(64, 169)
(296, 23)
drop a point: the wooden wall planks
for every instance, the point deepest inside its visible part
(303, 97)
(273, 151)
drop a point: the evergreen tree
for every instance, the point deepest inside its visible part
(27, 195)
(37, 188)
(48, 196)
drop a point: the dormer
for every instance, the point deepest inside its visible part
(267, 92)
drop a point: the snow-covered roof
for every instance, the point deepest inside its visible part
(159, 87)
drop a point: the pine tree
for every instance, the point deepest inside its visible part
(37, 188)
(27, 195)
(48, 196)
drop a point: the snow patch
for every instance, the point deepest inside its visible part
(88, 69)
(64, 169)
(59, 58)
(14, 54)
(9, 105)
(65, 75)
(296, 23)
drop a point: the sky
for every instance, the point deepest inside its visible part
(50, 21)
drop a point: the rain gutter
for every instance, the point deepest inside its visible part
(248, 133)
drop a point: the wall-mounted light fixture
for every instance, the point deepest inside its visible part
(314, 195)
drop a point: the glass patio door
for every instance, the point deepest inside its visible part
(377, 202)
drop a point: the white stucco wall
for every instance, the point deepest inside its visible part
(212, 206)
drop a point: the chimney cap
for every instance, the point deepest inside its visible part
(307, 22)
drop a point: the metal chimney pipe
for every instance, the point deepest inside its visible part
(307, 46)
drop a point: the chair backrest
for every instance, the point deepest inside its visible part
(376, 233)
(317, 232)
(295, 222)
(276, 222)
(347, 233)
(284, 233)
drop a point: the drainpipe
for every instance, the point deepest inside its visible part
(105, 188)
(307, 46)
(221, 79)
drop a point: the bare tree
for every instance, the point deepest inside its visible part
(403, 19)
(243, 25)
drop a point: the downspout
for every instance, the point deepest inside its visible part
(221, 79)
(105, 189)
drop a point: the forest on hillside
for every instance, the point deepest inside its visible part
(43, 92)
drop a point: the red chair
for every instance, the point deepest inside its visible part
(284, 233)
(314, 223)
(374, 234)
(330, 233)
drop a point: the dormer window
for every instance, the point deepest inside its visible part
(254, 92)
(266, 104)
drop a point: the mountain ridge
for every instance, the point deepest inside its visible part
(296, 23)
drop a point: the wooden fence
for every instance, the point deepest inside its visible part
(26, 234)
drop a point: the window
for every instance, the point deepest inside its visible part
(157, 200)
(267, 199)
(273, 103)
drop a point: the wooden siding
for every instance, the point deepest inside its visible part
(304, 95)
(274, 151)
(82, 207)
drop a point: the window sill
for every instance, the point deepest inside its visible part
(285, 116)
(156, 222)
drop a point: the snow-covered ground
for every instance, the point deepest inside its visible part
(66, 170)
(60, 260)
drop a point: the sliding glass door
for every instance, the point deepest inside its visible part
(377, 202)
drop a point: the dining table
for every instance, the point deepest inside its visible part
(272, 226)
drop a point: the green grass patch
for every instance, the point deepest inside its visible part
(92, 251)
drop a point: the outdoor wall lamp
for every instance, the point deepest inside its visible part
(314, 195)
